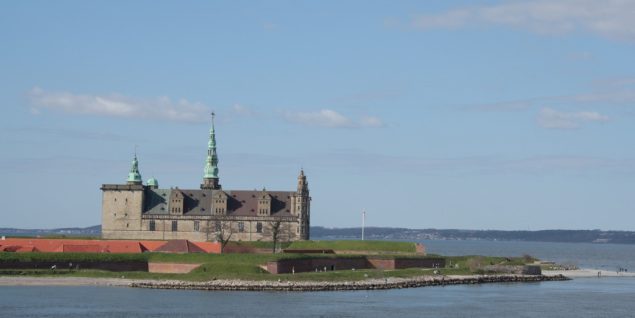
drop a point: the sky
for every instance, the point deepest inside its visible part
(511, 115)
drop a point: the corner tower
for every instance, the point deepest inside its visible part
(302, 207)
(122, 206)
(210, 176)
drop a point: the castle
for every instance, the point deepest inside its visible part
(141, 212)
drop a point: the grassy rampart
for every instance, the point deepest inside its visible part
(248, 266)
(361, 246)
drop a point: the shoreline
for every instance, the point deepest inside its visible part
(588, 272)
(371, 284)
(245, 285)
(270, 285)
(63, 281)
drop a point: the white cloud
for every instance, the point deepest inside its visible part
(330, 118)
(241, 110)
(371, 121)
(324, 117)
(115, 105)
(608, 18)
(550, 118)
(615, 92)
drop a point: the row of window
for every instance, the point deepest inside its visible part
(175, 210)
(197, 226)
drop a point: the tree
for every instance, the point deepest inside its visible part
(275, 231)
(223, 234)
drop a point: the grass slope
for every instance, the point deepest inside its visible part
(247, 266)
(362, 246)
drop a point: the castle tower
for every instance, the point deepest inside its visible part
(134, 176)
(302, 201)
(303, 186)
(122, 205)
(210, 177)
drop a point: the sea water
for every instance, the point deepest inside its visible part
(582, 297)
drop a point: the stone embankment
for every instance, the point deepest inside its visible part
(371, 284)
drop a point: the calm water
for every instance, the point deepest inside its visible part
(589, 297)
(584, 255)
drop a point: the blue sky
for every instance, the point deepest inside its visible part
(462, 114)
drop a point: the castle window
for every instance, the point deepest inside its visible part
(259, 227)
(174, 226)
(196, 226)
(241, 226)
(152, 225)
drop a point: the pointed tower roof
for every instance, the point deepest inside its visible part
(134, 176)
(210, 173)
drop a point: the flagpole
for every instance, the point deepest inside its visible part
(363, 223)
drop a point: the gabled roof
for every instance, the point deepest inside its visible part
(176, 193)
(17, 248)
(209, 247)
(71, 245)
(150, 246)
(220, 194)
(179, 246)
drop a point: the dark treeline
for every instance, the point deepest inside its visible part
(572, 236)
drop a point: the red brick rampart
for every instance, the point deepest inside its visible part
(299, 265)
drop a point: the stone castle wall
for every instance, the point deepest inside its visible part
(131, 225)
(121, 208)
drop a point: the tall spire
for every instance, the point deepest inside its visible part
(134, 176)
(210, 176)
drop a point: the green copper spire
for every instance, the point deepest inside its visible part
(134, 176)
(211, 164)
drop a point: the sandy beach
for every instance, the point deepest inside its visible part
(62, 281)
(589, 272)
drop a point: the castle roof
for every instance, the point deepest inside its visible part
(201, 202)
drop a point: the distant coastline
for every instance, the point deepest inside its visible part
(390, 233)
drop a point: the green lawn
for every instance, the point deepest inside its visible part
(361, 246)
(247, 266)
